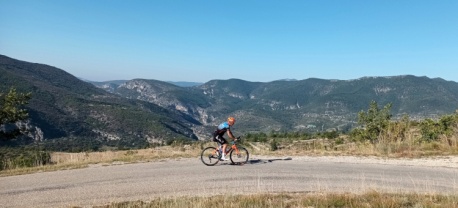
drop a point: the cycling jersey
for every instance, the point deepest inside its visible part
(220, 131)
(222, 128)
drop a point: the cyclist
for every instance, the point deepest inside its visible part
(219, 133)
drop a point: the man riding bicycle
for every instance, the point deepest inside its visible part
(219, 133)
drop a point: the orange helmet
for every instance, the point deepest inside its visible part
(231, 120)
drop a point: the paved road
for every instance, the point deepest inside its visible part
(99, 185)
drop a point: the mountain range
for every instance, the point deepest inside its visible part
(311, 104)
(142, 111)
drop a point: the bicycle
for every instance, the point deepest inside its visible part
(238, 155)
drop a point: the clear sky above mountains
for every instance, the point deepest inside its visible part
(264, 40)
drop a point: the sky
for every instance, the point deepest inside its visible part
(253, 40)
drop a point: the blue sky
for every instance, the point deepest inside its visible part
(264, 40)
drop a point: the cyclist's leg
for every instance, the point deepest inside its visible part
(217, 140)
(218, 144)
(222, 143)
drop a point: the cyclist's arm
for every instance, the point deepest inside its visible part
(231, 135)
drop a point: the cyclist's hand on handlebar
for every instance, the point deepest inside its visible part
(235, 139)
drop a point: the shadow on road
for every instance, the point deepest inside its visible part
(260, 161)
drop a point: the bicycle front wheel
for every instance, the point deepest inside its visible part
(209, 156)
(239, 156)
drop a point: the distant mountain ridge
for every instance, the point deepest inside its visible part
(111, 84)
(297, 105)
(63, 106)
(186, 84)
(140, 111)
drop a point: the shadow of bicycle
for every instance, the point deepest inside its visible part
(261, 161)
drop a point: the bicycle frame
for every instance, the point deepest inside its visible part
(231, 148)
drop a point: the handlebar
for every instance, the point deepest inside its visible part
(237, 139)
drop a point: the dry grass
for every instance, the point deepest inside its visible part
(64, 160)
(127, 156)
(371, 199)
(410, 147)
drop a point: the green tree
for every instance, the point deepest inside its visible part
(374, 121)
(11, 109)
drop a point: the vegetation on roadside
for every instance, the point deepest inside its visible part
(370, 199)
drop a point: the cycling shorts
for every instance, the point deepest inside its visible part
(219, 139)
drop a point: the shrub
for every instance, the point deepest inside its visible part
(273, 145)
(432, 130)
(19, 159)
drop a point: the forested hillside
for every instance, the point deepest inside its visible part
(304, 105)
(64, 107)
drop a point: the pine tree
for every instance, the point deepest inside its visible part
(11, 110)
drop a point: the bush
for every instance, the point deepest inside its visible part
(432, 130)
(18, 159)
(330, 134)
(273, 145)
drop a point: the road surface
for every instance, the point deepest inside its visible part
(99, 184)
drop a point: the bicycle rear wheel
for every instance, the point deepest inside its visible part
(209, 156)
(239, 157)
